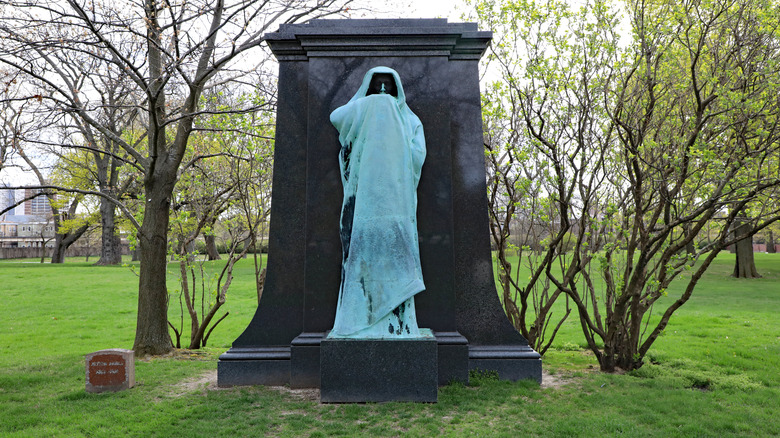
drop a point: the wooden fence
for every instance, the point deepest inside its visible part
(31, 253)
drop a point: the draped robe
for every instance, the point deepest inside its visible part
(382, 153)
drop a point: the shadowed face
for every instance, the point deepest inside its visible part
(380, 80)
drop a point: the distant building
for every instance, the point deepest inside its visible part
(37, 206)
(27, 225)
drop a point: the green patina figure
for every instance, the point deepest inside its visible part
(382, 153)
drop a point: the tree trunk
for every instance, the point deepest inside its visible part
(260, 282)
(194, 322)
(770, 243)
(110, 249)
(745, 265)
(211, 246)
(63, 241)
(690, 247)
(182, 249)
(151, 333)
(43, 251)
(58, 252)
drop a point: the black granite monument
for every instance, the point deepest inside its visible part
(320, 65)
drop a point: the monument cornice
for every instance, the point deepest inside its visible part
(378, 37)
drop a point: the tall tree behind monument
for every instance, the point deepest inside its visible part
(170, 51)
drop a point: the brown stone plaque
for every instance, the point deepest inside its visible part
(110, 370)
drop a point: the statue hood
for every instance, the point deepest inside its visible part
(401, 98)
(347, 132)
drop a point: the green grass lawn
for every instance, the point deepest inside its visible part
(715, 371)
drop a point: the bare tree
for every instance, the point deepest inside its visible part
(9, 120)
(233, 186)
(171, 52)
(548, 153)
(15, 123)
(44, 236)
(67, 133)
(685, 157)
(114, 169)
(648, 142)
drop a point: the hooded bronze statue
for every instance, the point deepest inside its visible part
(382, 153)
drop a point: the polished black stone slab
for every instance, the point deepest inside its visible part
(305, 360)
(254, 366)
(379, 370)
(511, 362)
(453, 351)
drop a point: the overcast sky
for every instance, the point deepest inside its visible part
(450, 9)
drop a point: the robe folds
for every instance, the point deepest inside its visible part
(382, 153)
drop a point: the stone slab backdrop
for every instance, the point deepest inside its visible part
(321, 65)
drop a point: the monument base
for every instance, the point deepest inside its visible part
(254, 366)
(305, 360)
(511, 362)
(299, 364)
(453, 358)
(379, 370)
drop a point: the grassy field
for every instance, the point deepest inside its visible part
(715, 372)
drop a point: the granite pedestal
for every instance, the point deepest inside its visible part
(262, 365)
(379, 370)
(305, 360)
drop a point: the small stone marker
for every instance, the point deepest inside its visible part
(110, 370)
